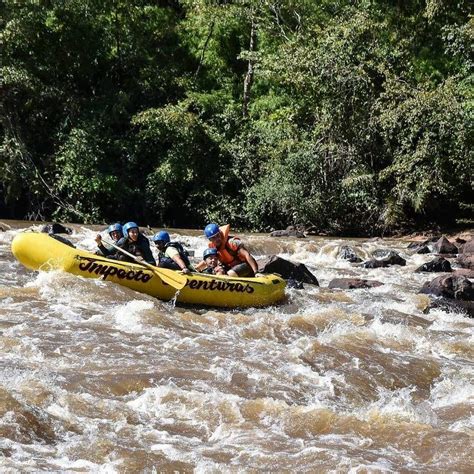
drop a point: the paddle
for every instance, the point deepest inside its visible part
(171, 277)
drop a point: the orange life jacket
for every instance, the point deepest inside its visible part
(226, 254)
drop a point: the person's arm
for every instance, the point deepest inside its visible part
(248, 258)
(202, 265)
(104, 251)
(220, 269)
(180, 262)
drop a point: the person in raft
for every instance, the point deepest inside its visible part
(231, 251)
(214, 267)
(171, 255)
(115, 233)
(134, 242)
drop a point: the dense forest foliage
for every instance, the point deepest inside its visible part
(351, 116)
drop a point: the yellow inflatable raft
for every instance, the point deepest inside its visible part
(39, 251)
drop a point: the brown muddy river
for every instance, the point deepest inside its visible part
(98, 378)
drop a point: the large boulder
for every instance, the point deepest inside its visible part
(353, 283)
(457, 306)
(439, 264)
(287, 269)
(444, 246)
(383, 253)
(452, 286)
(466, 258)
(389, 257)
(418, 248)
(56, 228)
(348, 253)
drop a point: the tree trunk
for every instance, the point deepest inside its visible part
(248, 81)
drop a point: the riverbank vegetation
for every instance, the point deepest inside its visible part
(350, 117)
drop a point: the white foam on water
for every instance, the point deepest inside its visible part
(338, 329)
(403, 334)
(169, 451)
(446, 320)
(207, 411)
(15, 379)
(62, 411)
(381, 466)
(26, 349)
(466, 425)
(181, 343)
(320, 386)
(224, 369)
(60, 287)
(453, 388)
(81, 465)
(263, 350)
(399, 404)
(128, 317)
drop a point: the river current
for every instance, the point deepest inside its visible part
(95, 377)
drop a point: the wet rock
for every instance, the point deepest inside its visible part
(4, 227)
(466, 258)
(450, 286)
(390, 258)
(382, 253)
(443, 246)
(424, 243)
(312, 230)
(299, 227)
(56, 228)
(287, 269)
(439, 264)
(456, 306)
(353, 283)
(420, 249)
(292, 283)
(348, 253)
(288, 233)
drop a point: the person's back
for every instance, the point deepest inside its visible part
(172, 255)
(134, 242)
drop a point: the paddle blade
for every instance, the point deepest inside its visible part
(171, 277)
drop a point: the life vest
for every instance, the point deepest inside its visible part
(183, 253)
(226, 253)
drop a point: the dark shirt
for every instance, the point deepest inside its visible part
(105, 252)
(140, 248)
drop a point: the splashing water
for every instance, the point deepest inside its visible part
(98, 378)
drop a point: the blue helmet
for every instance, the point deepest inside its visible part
(161, 235)
(211, 230)
(127, 227)
(114, 228)
(209, 252)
